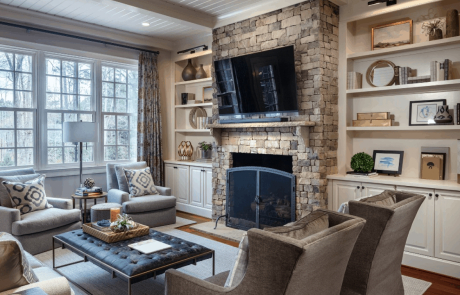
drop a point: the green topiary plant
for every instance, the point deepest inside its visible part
(362, 162)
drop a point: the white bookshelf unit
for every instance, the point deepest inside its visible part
(190, 181)
(433, 243)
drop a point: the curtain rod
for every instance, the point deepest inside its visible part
(75, 37)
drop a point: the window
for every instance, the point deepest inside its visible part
(119, 107)
(17, 111)
(69, 95)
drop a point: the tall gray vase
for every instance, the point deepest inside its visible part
(452, 23)
(189, 72)
(201, 74)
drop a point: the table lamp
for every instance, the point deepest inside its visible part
(80, 132)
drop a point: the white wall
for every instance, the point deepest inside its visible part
(63, 186)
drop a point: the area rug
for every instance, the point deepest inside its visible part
(414, 286)
(179, 223)
(221, 231)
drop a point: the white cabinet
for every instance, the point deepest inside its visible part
(177, 179)
(447, 231)
(421, 235)
(344, 191)
(192, 186)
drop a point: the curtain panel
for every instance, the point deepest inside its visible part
(149, 145)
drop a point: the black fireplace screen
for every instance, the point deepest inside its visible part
(259, 197)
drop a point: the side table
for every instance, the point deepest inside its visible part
(85, 198)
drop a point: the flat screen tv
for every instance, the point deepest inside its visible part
(259, 83)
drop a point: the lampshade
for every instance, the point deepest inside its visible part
(80, 132)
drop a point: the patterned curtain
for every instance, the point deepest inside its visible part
(149, 146)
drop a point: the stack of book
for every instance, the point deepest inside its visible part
(354, 80)
(88, 192)
(418, 79)
(404, 74)
(441, 71)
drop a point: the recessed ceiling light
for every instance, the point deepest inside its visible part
(145, 24)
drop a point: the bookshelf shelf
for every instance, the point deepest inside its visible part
(194, 81)
(439, 86)
(186, 106)
(406, 128)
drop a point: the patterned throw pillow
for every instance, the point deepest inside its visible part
(28, 196)
(14, 266)
(140, 182)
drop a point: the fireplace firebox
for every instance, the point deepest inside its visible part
(259, 197)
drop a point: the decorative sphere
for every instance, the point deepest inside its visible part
(89, 183)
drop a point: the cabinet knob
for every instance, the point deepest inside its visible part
(430, 195)
(362, 187)
(358, 187)
(175, 167)
(437, 196)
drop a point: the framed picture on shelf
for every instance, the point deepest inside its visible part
(207, 93)
(392, 35)
(388, 162)
(422, 112)
(433, 166)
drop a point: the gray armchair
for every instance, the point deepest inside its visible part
(154, 210)
(375, 263)
(34, 230)
(283, 265)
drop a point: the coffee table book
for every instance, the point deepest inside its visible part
(149, 246)
(111, 237)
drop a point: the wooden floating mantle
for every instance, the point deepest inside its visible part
(302, 129)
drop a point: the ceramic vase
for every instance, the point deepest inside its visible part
(437, 35)
(206, 154)
(452, 23)
(443, 115)
(189, 72)
(201, 73)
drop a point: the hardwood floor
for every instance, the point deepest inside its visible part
(441, 285)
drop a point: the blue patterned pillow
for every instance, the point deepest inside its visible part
(28, 196)
(140, 182)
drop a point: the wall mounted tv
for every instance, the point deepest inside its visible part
(259, 83)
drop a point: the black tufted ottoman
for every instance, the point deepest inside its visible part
(131, 265)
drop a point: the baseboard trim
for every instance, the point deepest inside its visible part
(194, 210)
(432, 264)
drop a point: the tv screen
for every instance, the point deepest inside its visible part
(263, 82)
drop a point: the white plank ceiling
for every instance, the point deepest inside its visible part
(214, 7)
(115, 15)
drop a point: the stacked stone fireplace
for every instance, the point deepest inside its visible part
(312, 27)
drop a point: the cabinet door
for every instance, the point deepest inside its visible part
(421, 235)
(181, 183)
(169, 177)
(196, 184)
(447, 220)
(344, 191)
(207, 183)
(372, 189)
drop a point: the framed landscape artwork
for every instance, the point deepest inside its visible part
(422, 112)
(392, 35)
(388, 162)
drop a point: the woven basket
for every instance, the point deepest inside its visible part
(111, 237)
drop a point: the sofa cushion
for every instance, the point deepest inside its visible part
(148, 203)
(240, 265)
(5, 199)
(140, 182)
(43, 220)
(387, 198)
(28, 196)
(309, 225)
(14, 267)
(121, 177)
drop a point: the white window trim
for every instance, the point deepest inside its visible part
(39, 52)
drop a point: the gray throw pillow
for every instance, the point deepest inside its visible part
(28, 196)
(121, 177)
(240, 265)
(387, 198)
(14, 266)
(309, 225)
(140, 183)
(5, 199)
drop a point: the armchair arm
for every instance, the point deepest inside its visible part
(117, 196)
(65, 204)
(164, 191)
(179, 283)
(56, 286)
(7, 217)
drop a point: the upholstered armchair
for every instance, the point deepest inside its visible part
(283, 265)
(375, 263)
(35, 229)
(150, 210)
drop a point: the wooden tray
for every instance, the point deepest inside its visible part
(111, 237)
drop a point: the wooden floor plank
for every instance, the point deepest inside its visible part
(441, 285)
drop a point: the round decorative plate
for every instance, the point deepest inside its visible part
(194, 114)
